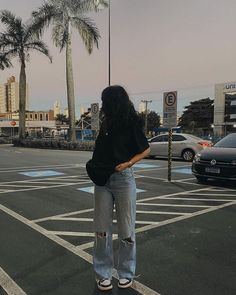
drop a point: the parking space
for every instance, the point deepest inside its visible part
(46, 207)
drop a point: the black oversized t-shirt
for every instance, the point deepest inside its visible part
(112, 149)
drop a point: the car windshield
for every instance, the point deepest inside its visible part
(227, 142)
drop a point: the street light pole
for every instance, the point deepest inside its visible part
(109, 43)
(146, 112)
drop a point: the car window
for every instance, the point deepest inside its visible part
(165, 138)
(227, 142)
(157, 139)
(176, 137)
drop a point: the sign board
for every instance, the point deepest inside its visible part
(170, 109)
(13, 123)
(230, 87)
(95, 116)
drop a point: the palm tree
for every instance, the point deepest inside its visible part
(65, 15)
(18, 40)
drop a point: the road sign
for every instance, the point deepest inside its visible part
(13, 123)
(95, 116)
(170, 109)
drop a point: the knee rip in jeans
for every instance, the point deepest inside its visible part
(128, 240)
(101, 234)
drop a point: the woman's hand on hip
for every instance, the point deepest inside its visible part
(122, 166)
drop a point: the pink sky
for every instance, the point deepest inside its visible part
(157, 45)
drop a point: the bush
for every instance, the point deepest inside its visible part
(54, 144)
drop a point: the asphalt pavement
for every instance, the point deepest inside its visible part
(186, 232)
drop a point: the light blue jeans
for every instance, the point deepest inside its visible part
(120, 190)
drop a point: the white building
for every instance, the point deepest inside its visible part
(225, 108)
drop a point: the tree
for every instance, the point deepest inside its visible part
(61, 118)
(65, 15)
(18, 40)
(153, 120)
(198, 115)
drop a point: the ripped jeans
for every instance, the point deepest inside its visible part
(120, 190)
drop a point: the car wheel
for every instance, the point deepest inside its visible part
(201, 179)
(188, 155)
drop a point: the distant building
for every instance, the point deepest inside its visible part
(9, 96)
(57, 109)
(225, 108)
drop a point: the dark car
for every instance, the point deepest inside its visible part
(217, 162)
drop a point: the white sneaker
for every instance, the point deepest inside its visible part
(125, 283)
(104, 284)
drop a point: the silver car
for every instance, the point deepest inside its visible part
(184, 146)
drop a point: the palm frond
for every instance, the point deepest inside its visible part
(7, 42)
(84, 6)
(39, 46)
(5, 59)
(60, 35)
(88, 31)
(13, 24)
(42, 17)
(10, 20)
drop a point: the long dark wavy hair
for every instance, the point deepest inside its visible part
(118, 111)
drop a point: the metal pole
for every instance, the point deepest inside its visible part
(169, 153)
(109, 43)
(146, 113)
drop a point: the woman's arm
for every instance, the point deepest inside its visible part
(131, 162)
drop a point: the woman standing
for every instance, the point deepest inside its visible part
(120, 143)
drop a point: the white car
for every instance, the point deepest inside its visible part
(184, 146)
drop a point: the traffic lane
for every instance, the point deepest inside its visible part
(41, 266)
(195, 256)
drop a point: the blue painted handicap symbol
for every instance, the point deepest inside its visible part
(145, 166)
(90, 190)
(41, 173)
(183, 170)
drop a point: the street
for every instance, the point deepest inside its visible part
(186, 232)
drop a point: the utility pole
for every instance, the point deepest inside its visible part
(146, 112)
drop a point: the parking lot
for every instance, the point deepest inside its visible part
(186, 232)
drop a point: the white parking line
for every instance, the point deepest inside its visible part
(169, 195)
(159, 168)
(173, 205)
(161, 212)
(32, 168)
(46, 187)
(220, 195)
(70, 233)
(9, 285)
(85, 219)
(62, 215)
(193, 199)
(157, 178)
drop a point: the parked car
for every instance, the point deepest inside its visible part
(184, 146)
(218, 162)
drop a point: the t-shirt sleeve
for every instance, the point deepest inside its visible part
(140, 143)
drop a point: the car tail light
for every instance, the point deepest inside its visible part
(205, 144)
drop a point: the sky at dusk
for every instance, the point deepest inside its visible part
(156, 46)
